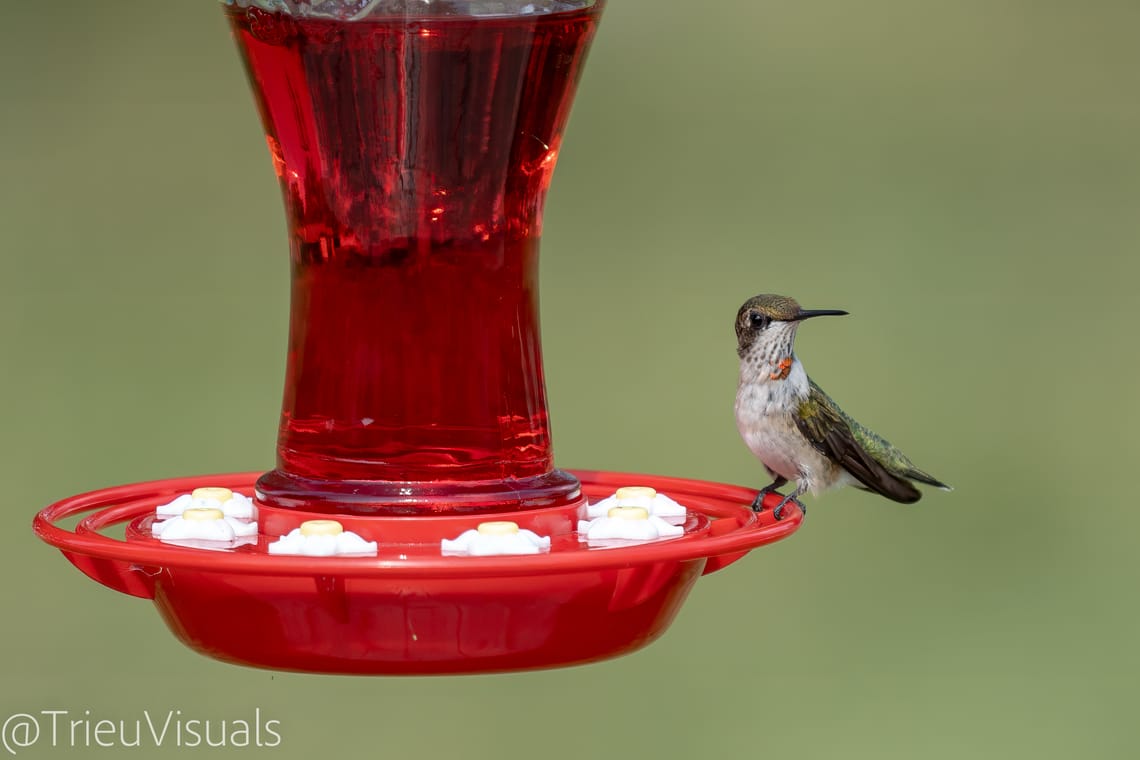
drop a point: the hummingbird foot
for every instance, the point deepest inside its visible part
(792, 497)
(778, 512)
(773, 487)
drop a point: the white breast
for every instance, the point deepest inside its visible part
(764, 410)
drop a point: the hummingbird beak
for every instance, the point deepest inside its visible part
(803, 314)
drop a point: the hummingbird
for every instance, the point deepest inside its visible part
(794, 428)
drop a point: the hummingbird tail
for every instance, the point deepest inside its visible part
(930, 480)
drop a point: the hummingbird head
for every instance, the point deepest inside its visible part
(767, 323)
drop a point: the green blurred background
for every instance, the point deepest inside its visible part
(963, 177)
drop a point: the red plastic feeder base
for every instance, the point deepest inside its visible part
(411, 610)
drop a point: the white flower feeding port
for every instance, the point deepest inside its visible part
(656, 504)
(322, 538)
(496, 538)
(626, 524)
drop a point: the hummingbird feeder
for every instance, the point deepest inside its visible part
(415, 522)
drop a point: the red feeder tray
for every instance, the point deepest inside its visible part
(410, 610)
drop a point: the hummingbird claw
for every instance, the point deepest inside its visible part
(792, 497)
(778, 511)
(773, 487)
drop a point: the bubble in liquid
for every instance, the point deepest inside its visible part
(270, 28)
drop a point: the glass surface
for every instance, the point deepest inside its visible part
(357, 10)
(414, 155)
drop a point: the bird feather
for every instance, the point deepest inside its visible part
(871, 459)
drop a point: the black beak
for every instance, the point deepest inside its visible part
(803, 314)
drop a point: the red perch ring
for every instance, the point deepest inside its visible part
(411, 610)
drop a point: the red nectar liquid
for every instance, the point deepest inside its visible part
(414, 156)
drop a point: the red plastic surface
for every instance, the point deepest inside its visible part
(410, 609)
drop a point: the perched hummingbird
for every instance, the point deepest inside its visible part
(794, 428)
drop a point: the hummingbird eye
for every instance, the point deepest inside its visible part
(758, 321)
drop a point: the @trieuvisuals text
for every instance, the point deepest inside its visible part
(67, 729)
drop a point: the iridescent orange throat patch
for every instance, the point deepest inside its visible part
(783, 369)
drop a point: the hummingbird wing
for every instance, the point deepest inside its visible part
(870, 459)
